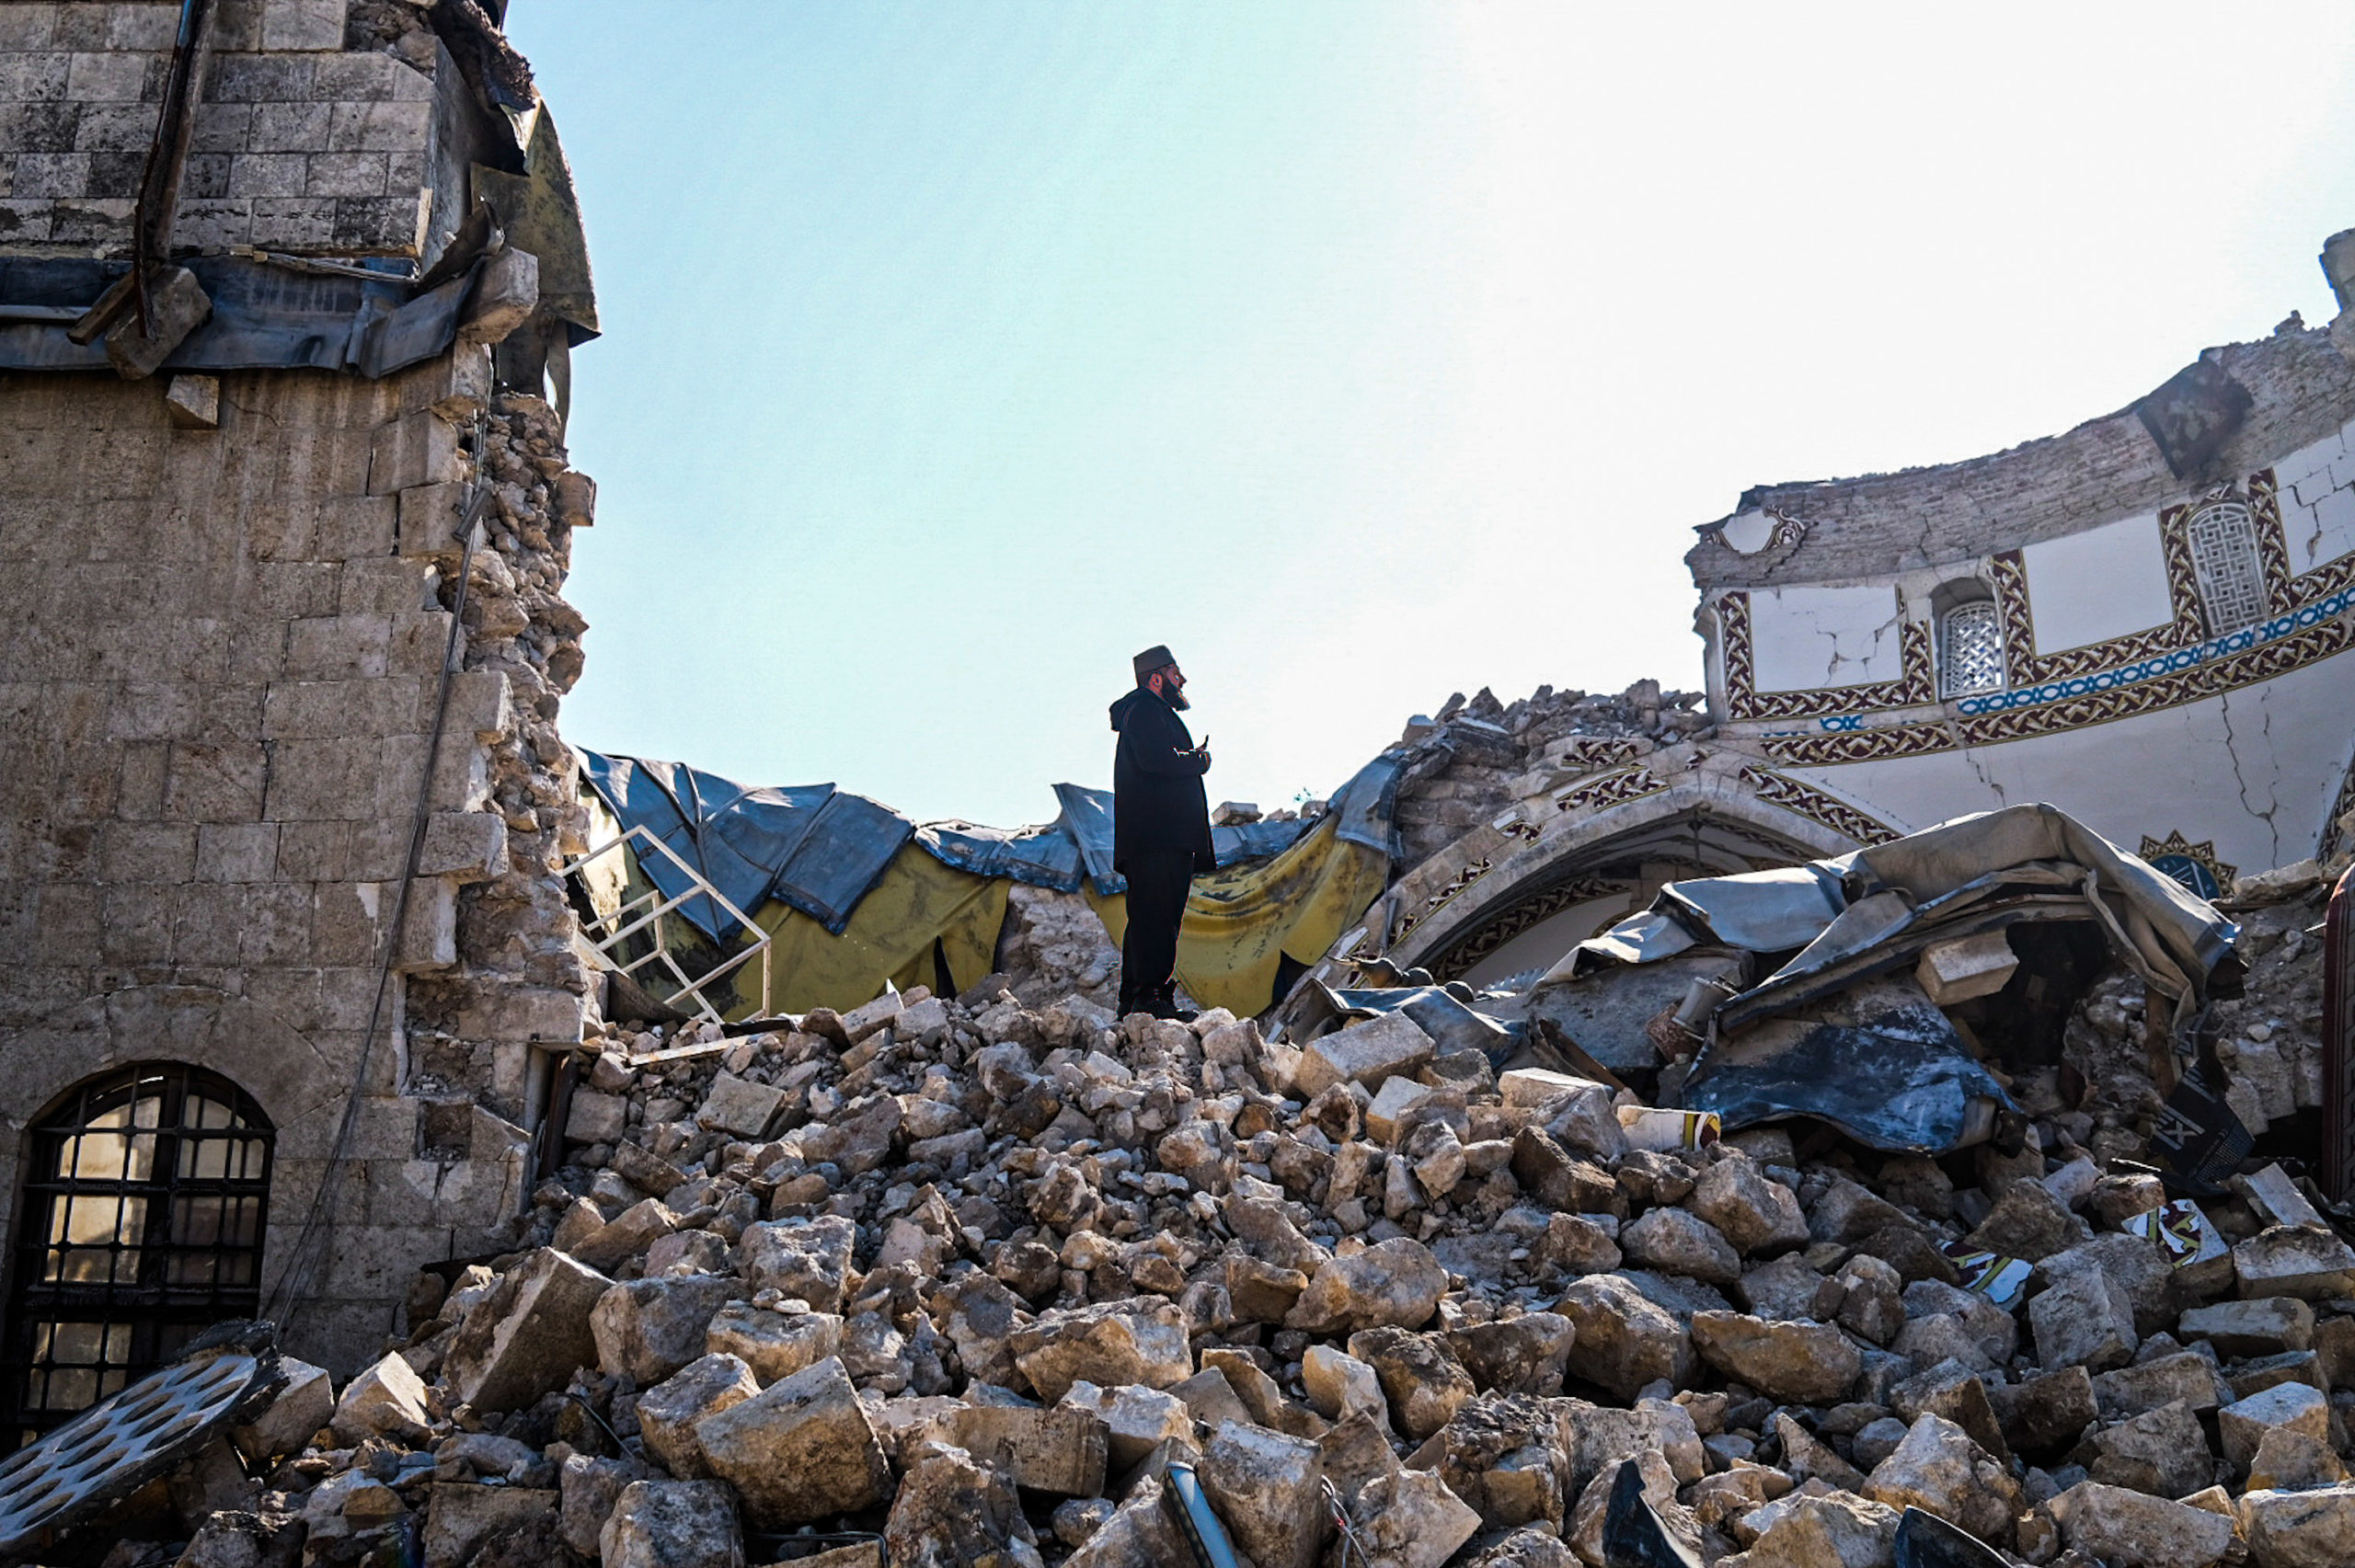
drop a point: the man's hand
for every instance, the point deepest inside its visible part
(1202, 753)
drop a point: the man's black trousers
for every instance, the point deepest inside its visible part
(1157, 884)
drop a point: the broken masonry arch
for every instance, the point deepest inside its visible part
(1514, 890)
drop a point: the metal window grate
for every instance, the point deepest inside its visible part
(141, 1224)
(1971, 649)
(2224, 560)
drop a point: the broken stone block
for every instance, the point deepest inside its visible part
(179, 307)
(1965, 967)
(1576, 1244)
(1624, 1339)
(386, 1400)
(1845, 1212)
(2161, 1451)
(738, 1105)
(1261, 1292)
(463, 1520)
(2295, 1407)
(1582, 1115)
(953, 1513)
(1368, 1052)
(673, 1524)
(1211, 1400)
(1062, 1450)
(774, 1345)
(304, 1405)
(1139, 1341)
(1833, 1531)
(808, 1259)
(1791, 1288)
(860, 1141)
(1409, 1519)
(1395, 1283)
(2044, 1413)
(1758, 1215)
(1523, 1354)
(627, 1236)
(526, 1338)
(1142, 1533)
(800, 1450)
(1419, 1376)
(2114, 1525)
(1798, 1363)
(2308, 1262)
(1339, 1385)
(1590, 1515)
(2288, 1460)
(1804, 1458)
(647, 1329)
(1497, 1455)
(2299, 1529)
(2186, 1376)
(1676, 1241)
(1137, 1419)
(1397, 1096)
(2027, 1223)
(589, 1489)
(2081, 1319)
(1267, 1488)
(667, 1413)
(1871, 1301)
(504, 295)
(2240, 1328)
(1261, 1394)
(193, 402)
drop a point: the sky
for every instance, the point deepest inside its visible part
(1362, 351)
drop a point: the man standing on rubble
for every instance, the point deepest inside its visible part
(1161, 828)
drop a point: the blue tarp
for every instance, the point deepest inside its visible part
(813, 847)
(822, 850)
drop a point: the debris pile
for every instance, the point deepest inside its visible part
(960, 1281)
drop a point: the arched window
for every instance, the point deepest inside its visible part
(139, 1225)
(2224, 560)
(1971, 638)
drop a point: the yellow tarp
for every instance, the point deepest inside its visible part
(891, 935)
(1241, 922)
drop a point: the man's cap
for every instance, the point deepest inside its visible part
(1153, 658)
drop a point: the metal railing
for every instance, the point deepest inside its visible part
(611, 933)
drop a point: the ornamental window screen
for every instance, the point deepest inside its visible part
(2224, 560)
(140, 1225)
(1971, 649)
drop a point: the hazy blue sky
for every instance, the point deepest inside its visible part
(1362, 351)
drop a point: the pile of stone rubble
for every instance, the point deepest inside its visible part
(958, 1282)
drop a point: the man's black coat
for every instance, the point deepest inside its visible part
(1157, 798)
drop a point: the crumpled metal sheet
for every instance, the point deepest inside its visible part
(119, 1444)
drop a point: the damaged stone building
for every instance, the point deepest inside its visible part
(1745, 1126)
(286, 288)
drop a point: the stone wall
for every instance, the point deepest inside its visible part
(300, 145)
(222, 653)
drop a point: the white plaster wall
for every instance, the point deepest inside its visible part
(2254, 771)
(2102, 583)
(2318, 501)
(1549, 939)
(1804, 637)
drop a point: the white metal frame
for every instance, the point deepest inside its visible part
(645, 912)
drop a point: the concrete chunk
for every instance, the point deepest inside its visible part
(802, 1449)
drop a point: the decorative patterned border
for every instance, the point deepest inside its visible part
(1610, 789)
(2314, 632)
(1441, 898)
(1803, 799)
(1916, 683)
(1460, 956)
(1592, 752)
